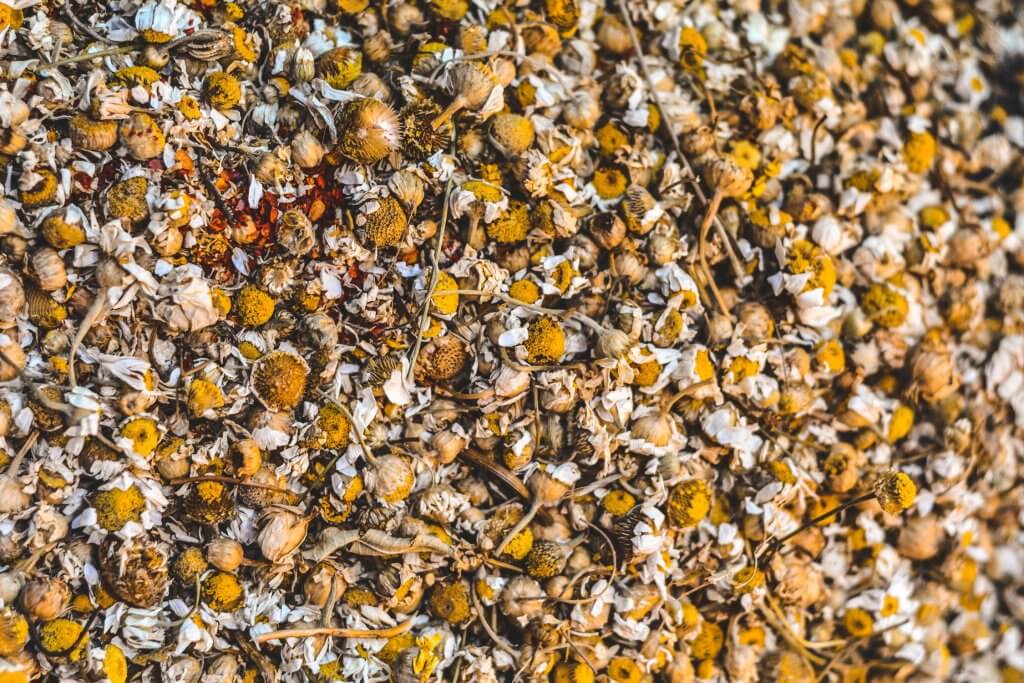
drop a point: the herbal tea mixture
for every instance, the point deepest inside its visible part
(511, 340)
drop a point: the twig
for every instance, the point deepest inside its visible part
(228, 480)
(773, 545)
(12, 469)
(435, 274)
(370, 457)
(338, 632)
(737, 266)
(498, 640)
(96, 310)
(502, 473)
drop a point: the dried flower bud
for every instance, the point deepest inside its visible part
(727, 177)
(689, 503)
(391, 478)
(44, 598)
(448, 445)
(370, 131)
(582, 110)
(142, 137)
(654, 428)
(307, 151)
(270, 169)
(607, 229)
(920, 538)
(321, 581)
(933, 369)
(282, 533)
(49, 271)
(225, 554)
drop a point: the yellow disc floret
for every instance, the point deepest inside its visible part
(545, 342)
(446, 294)
(901, 424)
(279, 379)
(143, 433)
(222, 592)
(624, 670)
(385, 225)
(858, 623)
(333, 427)
(115, 665)
(512, 225)
(222, 90)
(117, 507)
(340, 66)
(708, 642)
(204, 395)
(689, 503)
(618, 502)
(190, 565)
(450, 601)
(43, 192)
(830, 354)
(189, 108)
(209, 502)
(132, 76)
(610, 183)
(693, 48)
(807, 257)
(526, 291)
(60, 234)
(919, 152)
(895, 492)
(252, 306)
(127, 199)
(884, 305)
(13, 632)
(63, 637)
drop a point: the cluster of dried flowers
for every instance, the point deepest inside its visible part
(436, 340)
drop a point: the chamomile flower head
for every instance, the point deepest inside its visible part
(160, 21)
(895, 492)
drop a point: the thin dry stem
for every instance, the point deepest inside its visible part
(337, 632)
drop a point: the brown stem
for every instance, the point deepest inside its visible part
(337, 631)
(705, 226)
(227, 480)
(520, 525)
(775, 544)
(85, 56)
(12, 469)
(97, 309)
(498, 640)
(501, 472)
(451, 110)
(435, 274)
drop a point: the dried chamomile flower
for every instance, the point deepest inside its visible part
(885, 305)
(895, 492)
(209, 502)
(545, 342)
(279, 379)
(383, 221)
(222, 90)
(370, 130)
(222, 592)
(689, 503)
(340, 66)
(450, 602)
(116, 507)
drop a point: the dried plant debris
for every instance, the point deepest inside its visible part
(493, 340)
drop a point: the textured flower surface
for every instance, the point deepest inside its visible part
(547, 340)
